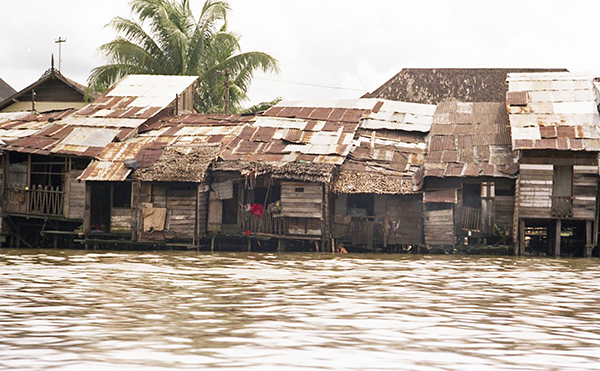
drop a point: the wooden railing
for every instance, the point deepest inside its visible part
(562, 206)
(267, 223)
(38, 200)
(471, 219)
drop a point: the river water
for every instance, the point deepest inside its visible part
(80, 310)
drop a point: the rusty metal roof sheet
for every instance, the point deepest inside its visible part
(446, 195)
(469, 139)
(560, 111)
(165, 152)
(119, 113)
(105, 171)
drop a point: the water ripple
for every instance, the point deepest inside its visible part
(159, 311)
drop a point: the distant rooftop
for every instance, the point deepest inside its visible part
(5, 90)
(434, 85)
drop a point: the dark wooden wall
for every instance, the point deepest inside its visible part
(439, 225)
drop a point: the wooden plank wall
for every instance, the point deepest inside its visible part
(202, 211)
(535, 190)
(75, 206)
(504, 212)
(585, 190)
(405, 213)
(121, 220)
(439, 227)
(302, 200)
(181, 211)
(215, 213)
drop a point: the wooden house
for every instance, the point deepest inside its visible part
(44, 154)
(377, 204)
(277, 174)
(469, 174)
(164, 173)
(52, 91)
(555, 129)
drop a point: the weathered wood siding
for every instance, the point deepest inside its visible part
(404, 213)
(76, 196)
(535, 190)
(439, 227)
(504, 207)
(202, 211)
(215, 213)
(121, 220)
(181, 211)
(302, 200)
(585, 190)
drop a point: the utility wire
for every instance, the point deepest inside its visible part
(308, 84)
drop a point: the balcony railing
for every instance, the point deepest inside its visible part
(562, 207)
(267, 223)
(38, 200)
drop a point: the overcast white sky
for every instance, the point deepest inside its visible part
(327, 49)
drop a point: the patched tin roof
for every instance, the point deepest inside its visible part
(117, 115)
(554, 111)
(469, 139)
(180, 149)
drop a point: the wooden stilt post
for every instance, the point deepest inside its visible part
(520, 250)
(212, 244)
(588, 239)
(333, 245)
(557, 238)
(279, 245)
(316, 246)
(249, 245)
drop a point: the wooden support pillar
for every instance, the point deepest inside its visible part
(249, 243)
(279, 247)
(557, 238)
(589, 245)
(212, 244)
(520, 249)
(333, 245)
(317, 246)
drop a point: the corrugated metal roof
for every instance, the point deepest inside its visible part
(119, 113)
(469, 140)
(105, 171)
(561, 108)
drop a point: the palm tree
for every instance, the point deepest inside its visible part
(166, 39)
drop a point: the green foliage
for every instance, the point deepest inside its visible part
(166, 39)
(260, 107)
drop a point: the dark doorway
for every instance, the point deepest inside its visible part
(100, 207)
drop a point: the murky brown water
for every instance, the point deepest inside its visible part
(154, 311)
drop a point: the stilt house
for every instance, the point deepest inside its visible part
(376, 200)
(469, 174)
(555, 128)
(162, 177)
(274, 180)
(45, 154)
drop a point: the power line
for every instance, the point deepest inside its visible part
(313, 85)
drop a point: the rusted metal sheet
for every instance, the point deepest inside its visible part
(447, 195)
(462, 137)
(106, 171)
(561, 107)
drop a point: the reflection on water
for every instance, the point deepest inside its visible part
(153, 311)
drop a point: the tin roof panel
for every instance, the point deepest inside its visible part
(106, 171)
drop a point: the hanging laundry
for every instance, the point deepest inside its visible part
(257, 209)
